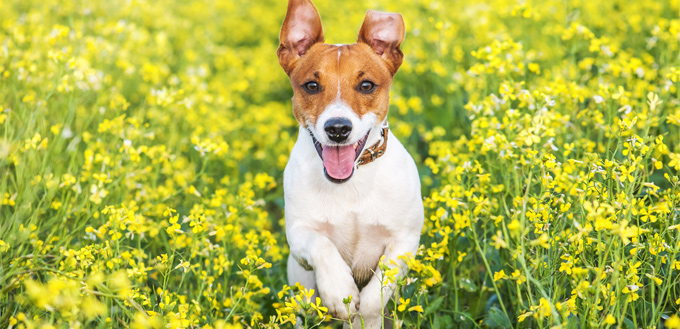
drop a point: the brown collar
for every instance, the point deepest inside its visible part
(376, 150)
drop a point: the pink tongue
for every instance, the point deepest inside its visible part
(338, 161)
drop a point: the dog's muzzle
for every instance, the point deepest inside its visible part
(339, 161)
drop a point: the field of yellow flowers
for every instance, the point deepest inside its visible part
(142, 145)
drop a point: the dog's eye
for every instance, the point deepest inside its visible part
(366, 87)
(311, 87)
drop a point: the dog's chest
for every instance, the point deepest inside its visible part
(360, 245)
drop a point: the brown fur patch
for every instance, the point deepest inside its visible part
(345, 71)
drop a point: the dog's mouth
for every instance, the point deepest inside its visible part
(338, 160)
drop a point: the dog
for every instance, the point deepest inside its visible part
(352, 191)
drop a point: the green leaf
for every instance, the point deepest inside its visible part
(464, 320)
(467, 285)
(435, 323)
(572, 323)
(444, 321)
(629, 323)
(433, 306)
(497, 319)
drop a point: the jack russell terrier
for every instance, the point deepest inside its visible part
(352, 191)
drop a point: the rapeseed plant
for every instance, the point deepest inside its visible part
(142, 147)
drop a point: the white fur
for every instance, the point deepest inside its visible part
(338, 231)
(338, 109)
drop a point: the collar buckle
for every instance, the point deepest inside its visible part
(373, 154)
(375, 151)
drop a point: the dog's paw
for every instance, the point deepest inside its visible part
(334, 287)
(372, 304)
(369, 322)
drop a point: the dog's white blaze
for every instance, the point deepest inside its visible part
(338, 99)
(339, 109)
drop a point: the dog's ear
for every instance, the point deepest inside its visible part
(384, 32)
(301, 29)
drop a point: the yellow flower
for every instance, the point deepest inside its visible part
(174, 226)
(543, 241)
(92, 307)
(630, 291)
(120, 283)
(500, 275)
(320, 310)
(673, 322)
(184, 265)
(402, 304)
(543, 309)
(517, 275)
(523, 316)
(461, 255)
(626, 174)
(416, 308)
(143, 321)
(610, 319)
(656, 280)
(514, 225)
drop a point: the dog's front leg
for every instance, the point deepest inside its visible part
(376, 294)
(314, 251)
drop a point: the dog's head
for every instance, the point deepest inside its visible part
(341, 92)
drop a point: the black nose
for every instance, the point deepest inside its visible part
(338, 129)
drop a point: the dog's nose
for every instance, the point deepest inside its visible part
(338, 129)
